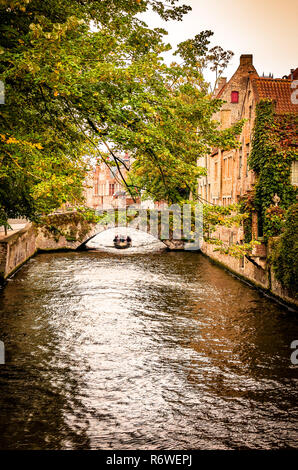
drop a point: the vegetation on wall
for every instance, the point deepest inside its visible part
(247, 206)
(274, 148)
(74, 226)
(284, 252)
(227, 216)
(215, 215)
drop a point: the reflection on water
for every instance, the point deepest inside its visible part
(155, 351)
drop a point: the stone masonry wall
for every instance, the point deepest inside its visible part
(260, 276)
(15, 249)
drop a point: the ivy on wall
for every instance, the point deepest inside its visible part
(274, 148)
(284, 252)
(247, 206)
(215, 215)
(228, 216)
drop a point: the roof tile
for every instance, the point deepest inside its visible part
(278, 90)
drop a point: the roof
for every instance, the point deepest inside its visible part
(278, 90)
(245, 68)
(221, 91)
(294, 74)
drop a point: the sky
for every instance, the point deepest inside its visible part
(268, 29)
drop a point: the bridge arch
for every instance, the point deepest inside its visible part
(73, 231)
(139, 237)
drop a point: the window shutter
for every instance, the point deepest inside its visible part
(235, 97)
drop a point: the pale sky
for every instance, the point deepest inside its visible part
(268, 29)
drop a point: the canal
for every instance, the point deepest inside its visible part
(143, 351)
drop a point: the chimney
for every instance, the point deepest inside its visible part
(246, 59)
(221, 82)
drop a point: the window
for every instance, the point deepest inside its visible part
(113, 172)
(215, 170)
(225, 168)
(229, 167)
(294, 173)
(250, 111)
(225, 118)
(111, 189)
(231, 238)
(235, 97)
(226, 200)
(95, 187)
(240, 163)
(247, 155)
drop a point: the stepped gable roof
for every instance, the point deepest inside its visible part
(277, 89)
(245, 67)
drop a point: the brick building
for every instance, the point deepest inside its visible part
(222, 180)
(228, 176)
(104, 187)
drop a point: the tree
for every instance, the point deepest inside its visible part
(181, 127)
(195, 53)
(66, 86)
(72, 90)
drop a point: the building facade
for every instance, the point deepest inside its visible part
(228, 174)
(104, 187)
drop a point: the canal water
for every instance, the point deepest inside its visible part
(143, 351)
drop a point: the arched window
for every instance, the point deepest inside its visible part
(235, 97)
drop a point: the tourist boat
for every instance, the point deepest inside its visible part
(122, 244)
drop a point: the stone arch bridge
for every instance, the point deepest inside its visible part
(178, 228)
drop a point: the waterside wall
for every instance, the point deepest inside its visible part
(253, 269)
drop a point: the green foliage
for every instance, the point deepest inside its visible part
(70, 90)
(274, 220)
(247, 206)
(196, 53)
(88, 214)
(228, 216)
(273, 151)
(180, 131)
(237, 251)
(284, 252)
(74, 226)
